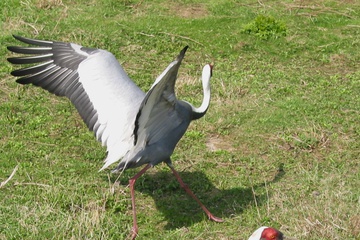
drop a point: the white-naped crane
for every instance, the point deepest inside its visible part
(267, 233)
(136, 128)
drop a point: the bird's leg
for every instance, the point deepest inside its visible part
(132, 192)
(188, 191)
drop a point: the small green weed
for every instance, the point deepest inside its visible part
(265, 27)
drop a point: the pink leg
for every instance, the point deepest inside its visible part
(188, 191)
(132, 192)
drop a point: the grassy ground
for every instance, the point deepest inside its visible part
(279, 145)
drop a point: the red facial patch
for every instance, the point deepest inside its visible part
(271, 234)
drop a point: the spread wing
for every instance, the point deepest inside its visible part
(158, 114)
(94, 81)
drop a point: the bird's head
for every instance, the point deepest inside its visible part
(207, 73)
(267, 233)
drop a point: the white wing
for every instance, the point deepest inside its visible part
(105, 97)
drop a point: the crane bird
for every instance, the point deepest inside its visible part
(136, 128)
(266, 233)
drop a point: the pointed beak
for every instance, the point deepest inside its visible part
(211, 69)
(182, 53)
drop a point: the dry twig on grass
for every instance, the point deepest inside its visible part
(32, 184)
(316, 10)
(2, 184)
(183, 37)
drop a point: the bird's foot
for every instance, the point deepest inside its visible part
(215, 219)
(134, 232)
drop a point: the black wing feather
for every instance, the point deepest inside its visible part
(33, 69)
(30, 50)
(33, 41)
(56, 70)
(31, 59)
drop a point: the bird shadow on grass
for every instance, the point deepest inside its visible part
(180, 210)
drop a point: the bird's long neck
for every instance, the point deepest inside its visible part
(200, 111)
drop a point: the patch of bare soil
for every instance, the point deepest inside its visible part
(354, 224)
(216, 143)
(189, 11)
(338, 64)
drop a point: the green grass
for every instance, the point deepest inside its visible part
(279, 145)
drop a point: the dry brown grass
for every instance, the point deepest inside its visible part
(48, 4)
